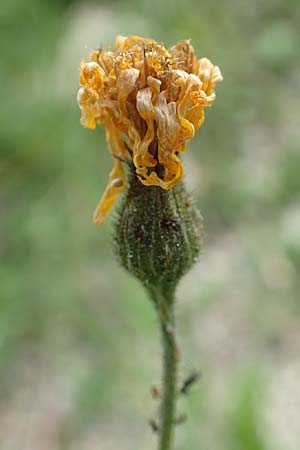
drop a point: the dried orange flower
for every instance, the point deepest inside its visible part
(151, 101)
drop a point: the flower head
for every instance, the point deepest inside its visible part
(151, 101)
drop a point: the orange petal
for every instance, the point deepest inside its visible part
(115, 185)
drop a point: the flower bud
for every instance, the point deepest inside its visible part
(157, 234)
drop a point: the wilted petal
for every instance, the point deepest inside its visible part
(167, 123)
(126, 81)
(144, 103)
(146, 110)
(86, 99)
(208, 74)
(115, 185)
(125, 85)
(174, 173)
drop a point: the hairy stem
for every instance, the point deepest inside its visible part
(165, 308)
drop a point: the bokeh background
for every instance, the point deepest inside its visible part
(79, 346)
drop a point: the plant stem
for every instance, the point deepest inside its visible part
(168, 402)
(165, 309)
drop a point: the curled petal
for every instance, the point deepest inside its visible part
(115, 185)
(196, 116)
(192, 84)
(177, 171)
(87, 99)
(92, 75)
(126, 82)
(145, 100)
(216, 75)
(125, 85)
(179, 77)
(146, 110)
(144, 103)
(168, 125)
(174, 169)
(168, 135)
(208, 74)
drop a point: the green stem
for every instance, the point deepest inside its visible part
(165, 309)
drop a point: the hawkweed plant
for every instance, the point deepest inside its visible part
(151, 101)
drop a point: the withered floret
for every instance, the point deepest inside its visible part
(151, 101)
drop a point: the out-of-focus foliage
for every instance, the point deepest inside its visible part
(78, 339)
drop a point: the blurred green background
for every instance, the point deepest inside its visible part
(79, 346)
